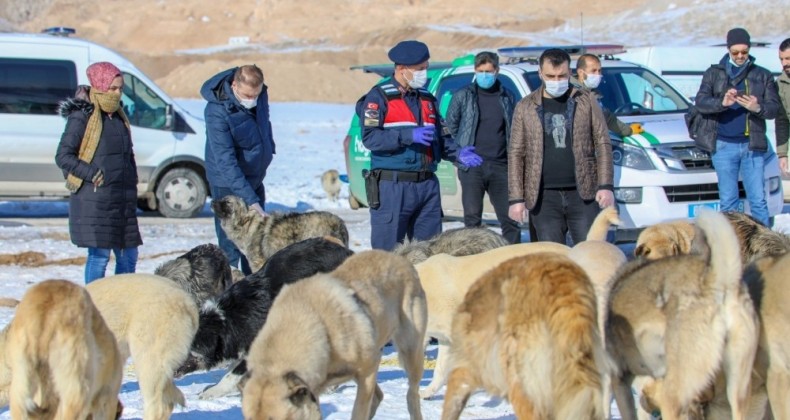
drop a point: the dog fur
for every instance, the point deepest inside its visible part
(229, 324)
(681, 319)
(58, 359)
(446, 279)
(259, 237)
(204, 272)
(344, 320)
(154, 321)
(528, 330)
(330, 182)
(674, 238)
(457, 242)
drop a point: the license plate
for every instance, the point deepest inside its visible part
(694, 208)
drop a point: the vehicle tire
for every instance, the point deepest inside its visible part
(181, 193)
(353, 203)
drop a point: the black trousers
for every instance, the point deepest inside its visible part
(562, 210)
(490, 177)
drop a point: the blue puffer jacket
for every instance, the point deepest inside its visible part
(239, 142)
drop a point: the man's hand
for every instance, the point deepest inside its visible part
(423, 135)
(749, 102)
(783, 165)
(259, 209)
(468, 157)
(729, 98)
(605, 198)
(517, 212)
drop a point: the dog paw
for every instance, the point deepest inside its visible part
(215, 391)
(427, 394)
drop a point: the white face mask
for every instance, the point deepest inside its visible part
(592, 81)
(556, 88)
(418, 78)
(246, 103)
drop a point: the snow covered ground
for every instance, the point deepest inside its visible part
(309, 141)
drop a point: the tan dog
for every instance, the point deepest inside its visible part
(330, 328)
(330, 182)
(154, 321)
(682, 319)
(446, 279)
(527, 330)
(59, 359)
(674, 238)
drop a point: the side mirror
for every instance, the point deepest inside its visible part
(169, 117)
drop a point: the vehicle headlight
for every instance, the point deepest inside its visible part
(630, 156)
(632, 195)
(774, 183)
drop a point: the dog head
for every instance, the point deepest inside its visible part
(279, 398)
(208, 345)
(665, 239)
(228, 207)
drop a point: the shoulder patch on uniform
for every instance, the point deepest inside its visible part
(372, 113)
(372, 105)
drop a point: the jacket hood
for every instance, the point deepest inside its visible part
(73, 104)
(217, 89)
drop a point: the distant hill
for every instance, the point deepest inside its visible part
(305, 47)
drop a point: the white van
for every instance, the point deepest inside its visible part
(37, 71)
(683, 67)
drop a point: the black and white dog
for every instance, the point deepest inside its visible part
(203, 272)
(229, 324)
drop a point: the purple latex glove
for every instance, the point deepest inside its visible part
(423, 135)
(468, 157)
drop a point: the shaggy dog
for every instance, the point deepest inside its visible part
(259, 237)
(338, 322)
(527, 330)
(229, 324)
(58, 359)
(203, 272)
(683, 319)
(456, 242)
(154, 321)
(330, 182)
(674, 238)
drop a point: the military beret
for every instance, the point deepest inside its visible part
(409, 53)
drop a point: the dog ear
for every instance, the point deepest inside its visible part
(642, 250)
(300, 394)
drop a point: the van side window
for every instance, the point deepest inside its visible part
(448, 86)
(35, 86)
(142, 105)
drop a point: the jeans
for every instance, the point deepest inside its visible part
(490, 177)
(98, 258)
(234, 255)
(562, 210)
(408, 210)
(733, 159)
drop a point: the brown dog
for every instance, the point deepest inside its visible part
(527, 330)
(683, 319)
(330, 182)
(674, 238)
(59, 359)
(329, 328)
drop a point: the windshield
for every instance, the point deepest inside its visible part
(632, 91)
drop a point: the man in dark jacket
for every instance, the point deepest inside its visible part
(588, 77)
(406, 137)
(737, 96)
(239, 143)
(479, 115)
(783, 117)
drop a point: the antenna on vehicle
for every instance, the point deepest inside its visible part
(581, 27)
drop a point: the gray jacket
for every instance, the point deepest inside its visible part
(612, 123)
(463, 114)
(709, 99)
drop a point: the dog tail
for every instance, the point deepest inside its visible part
(725, 252)
(600, 226)
(8, 302)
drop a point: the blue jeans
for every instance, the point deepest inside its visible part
(98, 258)
(733, 159)
(235, 257)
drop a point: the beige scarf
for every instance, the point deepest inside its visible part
(102, 102)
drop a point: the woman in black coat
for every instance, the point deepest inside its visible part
(95, 153)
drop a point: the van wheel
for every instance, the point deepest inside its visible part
(181, 193)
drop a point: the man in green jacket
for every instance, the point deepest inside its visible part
(783, 118)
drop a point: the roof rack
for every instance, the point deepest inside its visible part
(384, 70)
(531, 54)
(59, 31)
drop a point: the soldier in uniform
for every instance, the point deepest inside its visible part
(407, 138)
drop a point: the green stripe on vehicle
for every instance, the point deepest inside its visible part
(650, 138)
(630, 141)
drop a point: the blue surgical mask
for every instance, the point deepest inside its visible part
(484, 79)
(556, 88)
